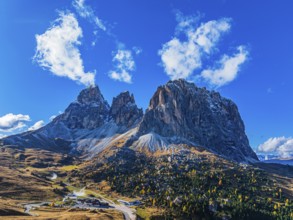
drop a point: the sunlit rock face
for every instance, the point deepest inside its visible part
(180, 109)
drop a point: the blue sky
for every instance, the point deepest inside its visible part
(243, 49)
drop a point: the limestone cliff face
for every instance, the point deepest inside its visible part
(179, 109)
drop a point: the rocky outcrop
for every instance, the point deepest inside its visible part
(87, 126)
(180, 110)
(124, 111)
(90, 111)
(179, 114)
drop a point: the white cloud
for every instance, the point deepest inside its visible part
(2, 136)
(180, 58)
(208, 34)
(52, 117)
(123, 59)
(124, 65)
(37, 125)
(281, 145)
(11, 122)
(186, 23)
(87, 12)
(228, 68)
(57, 50)
(185, 56)
(137, 50)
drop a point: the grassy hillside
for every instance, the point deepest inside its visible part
(196, 183)
(188, 184)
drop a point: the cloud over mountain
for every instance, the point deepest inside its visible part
(281, 145)
(87, 12)
(57, 50)
(11, 122)
(185, 56)
(124, 65)
(227, 68)
(37, 125)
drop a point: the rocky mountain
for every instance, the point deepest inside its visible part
(87, 126)
(183, 113)
(89, 111)
(124, 110)
(179, 114)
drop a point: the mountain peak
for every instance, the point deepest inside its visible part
(122, 99)
(88, 112)
(180, 113)
(89, 95)
(181, 82)
(180, 109)
(124, 110)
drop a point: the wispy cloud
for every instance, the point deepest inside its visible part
(11, 122)
(137, 50)
(227, 68)
(184, 56)
(123, 60)
(57, 50)
(281, 145)
(124, 66)
(37, 125)
(52, 117)
(87, 12)
(2, 136)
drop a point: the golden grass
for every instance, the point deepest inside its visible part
(13, 209)
(16, 184)
(147, 213)
(72, 214)
(68, 167)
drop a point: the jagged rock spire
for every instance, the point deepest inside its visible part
(124, 110)
(91, 94)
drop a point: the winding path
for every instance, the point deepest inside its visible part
(129, 213)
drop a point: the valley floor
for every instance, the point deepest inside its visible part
(188, 183)
(31, 191)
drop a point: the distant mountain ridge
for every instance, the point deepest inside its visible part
(179, 114)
